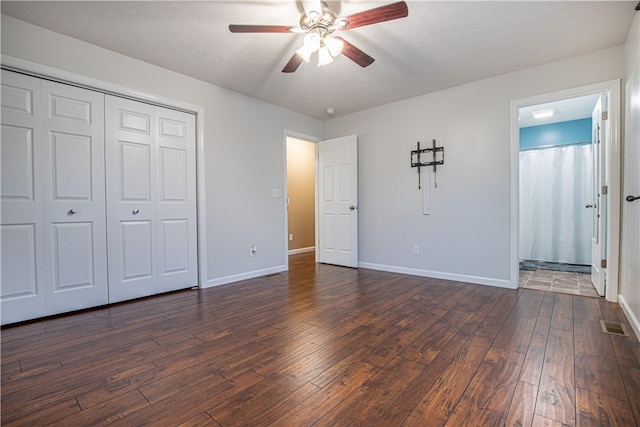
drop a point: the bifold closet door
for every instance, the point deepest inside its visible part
(74, 197)
(53, 207)
(22, 269)
(151, 206)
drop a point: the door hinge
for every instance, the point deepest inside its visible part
(605, 115)
(603, 263)
(605, 189)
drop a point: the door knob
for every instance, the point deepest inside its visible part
(353, 208)
(632, 198)
(588, 206)
(71, 211)
(135, 211)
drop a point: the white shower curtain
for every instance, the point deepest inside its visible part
(555, 186)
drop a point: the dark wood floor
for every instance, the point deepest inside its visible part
(327, 346)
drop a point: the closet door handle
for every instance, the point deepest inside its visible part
(135, 211)
(588, 206)
(632, 198)
(71, 212)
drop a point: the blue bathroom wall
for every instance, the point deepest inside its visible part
(556, 133)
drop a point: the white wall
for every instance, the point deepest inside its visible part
(630, 235)
(244, 148)
(466, 236)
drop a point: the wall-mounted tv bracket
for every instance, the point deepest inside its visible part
(437, 158)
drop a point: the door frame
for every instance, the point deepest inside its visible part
(614, 190)
(43, 71)
(314, 139)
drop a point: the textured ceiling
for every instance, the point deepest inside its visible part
(439, 45)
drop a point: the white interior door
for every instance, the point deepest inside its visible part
(598, 203)
(22, 294)
(176, 200)
(151, 199)
(338, 201)
(74, 197)
(131, 187)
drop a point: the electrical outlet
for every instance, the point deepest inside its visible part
(290, 236)
(252, 250)
(416, 249)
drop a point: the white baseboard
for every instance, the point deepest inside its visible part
(439, 275)
(302, 250)
(244, 276)
(631, 317)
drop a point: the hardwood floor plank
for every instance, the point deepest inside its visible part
(369, 401)
(36, 415)
(488, 396)
(326, 398)
(201, 420)
(600, 376)
(518, 328)
(534, 359)
(624, 351)
(521, 411)
(598, 410)
(631, 377)
(105, 412)
(562, 317)
(540, 421)
(556, 392)
(437, 405)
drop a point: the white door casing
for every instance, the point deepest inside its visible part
(22, 254)
(338, 201)
(151, 206)
(598, 201)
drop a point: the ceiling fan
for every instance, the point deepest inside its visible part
(318, 23)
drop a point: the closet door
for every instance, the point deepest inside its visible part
(131, 187)
(151, 199)
(74, 197)
(176, 200)
(22, 287)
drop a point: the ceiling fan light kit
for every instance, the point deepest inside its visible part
(318, 23)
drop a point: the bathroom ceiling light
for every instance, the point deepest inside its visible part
(543, 114)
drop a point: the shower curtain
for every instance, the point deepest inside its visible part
(555, 186)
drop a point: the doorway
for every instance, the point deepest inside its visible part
(301, 189)
(556, 175)
(604, 164)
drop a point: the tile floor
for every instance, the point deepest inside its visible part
(558, 281)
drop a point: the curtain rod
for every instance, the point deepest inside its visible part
(543, 147)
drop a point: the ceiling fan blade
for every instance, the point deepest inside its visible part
(379, 14)
(310, 6)
(259, 28)
(293, 64)
(355, 54)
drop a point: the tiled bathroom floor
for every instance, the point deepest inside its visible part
(558, 281)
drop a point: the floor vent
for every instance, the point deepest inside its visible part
(269, 276)
(614, 328)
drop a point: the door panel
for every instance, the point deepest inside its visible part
(22, 291)
(130, 202)
(338, 210)
(137, 251)
(71, 169)
(73, 251)
(74, 198)
(599, 142)
(176, 196)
